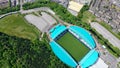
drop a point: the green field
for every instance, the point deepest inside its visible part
(73, 46)
(88, 17)
(16, 25)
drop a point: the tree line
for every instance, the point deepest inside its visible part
(9, 9)
(22, 53)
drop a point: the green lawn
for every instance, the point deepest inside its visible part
(16, 25)
(73, 46)
(88, 17)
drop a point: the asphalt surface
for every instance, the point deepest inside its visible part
(106, 34)
(43, 23)
(38, 9)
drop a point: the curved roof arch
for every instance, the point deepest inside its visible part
(89, 59)
(62, 54)
(84, 34)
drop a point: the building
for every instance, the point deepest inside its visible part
(74, 7)
(73, 45)
(4, 3)
(99, 64)
(83, 1)
(14, 2)
(62, 2)
(25, 1)
(107, 11)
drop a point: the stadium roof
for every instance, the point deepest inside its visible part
(62, 54)
(89, 59)
(55, 31)
(85, 35)
(100, 64)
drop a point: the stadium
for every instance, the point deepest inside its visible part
(73, 45)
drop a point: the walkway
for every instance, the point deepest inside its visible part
(38, 9)
(3, 15)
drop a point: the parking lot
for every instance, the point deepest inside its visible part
(106, 34)
(43, 22)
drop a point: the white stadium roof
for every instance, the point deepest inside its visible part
(99, 64)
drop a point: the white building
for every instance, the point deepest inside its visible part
(14, 2)
(74, 7)
(99, 64)
(25, 1)
(83, 1)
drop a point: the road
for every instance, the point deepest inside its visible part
(3, 15)
(106, 34)
(38, 9)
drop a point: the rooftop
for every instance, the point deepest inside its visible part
(75, 6)
(73, 45)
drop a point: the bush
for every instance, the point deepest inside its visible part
(8, 9)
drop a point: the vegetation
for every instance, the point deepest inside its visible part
(22, 53)
(88, 17)
(119, 33)
(114, 50)
(85, 8)
(73, 46)
(118, 64)
(39, 3)
(9, 9)
(63, 14)
(16, 25)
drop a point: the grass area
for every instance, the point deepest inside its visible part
(16, 25)
(88, 17)
(73, 46)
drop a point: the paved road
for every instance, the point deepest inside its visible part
(108, 58)
(3, 15)
(38, 9)
(106, 34)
